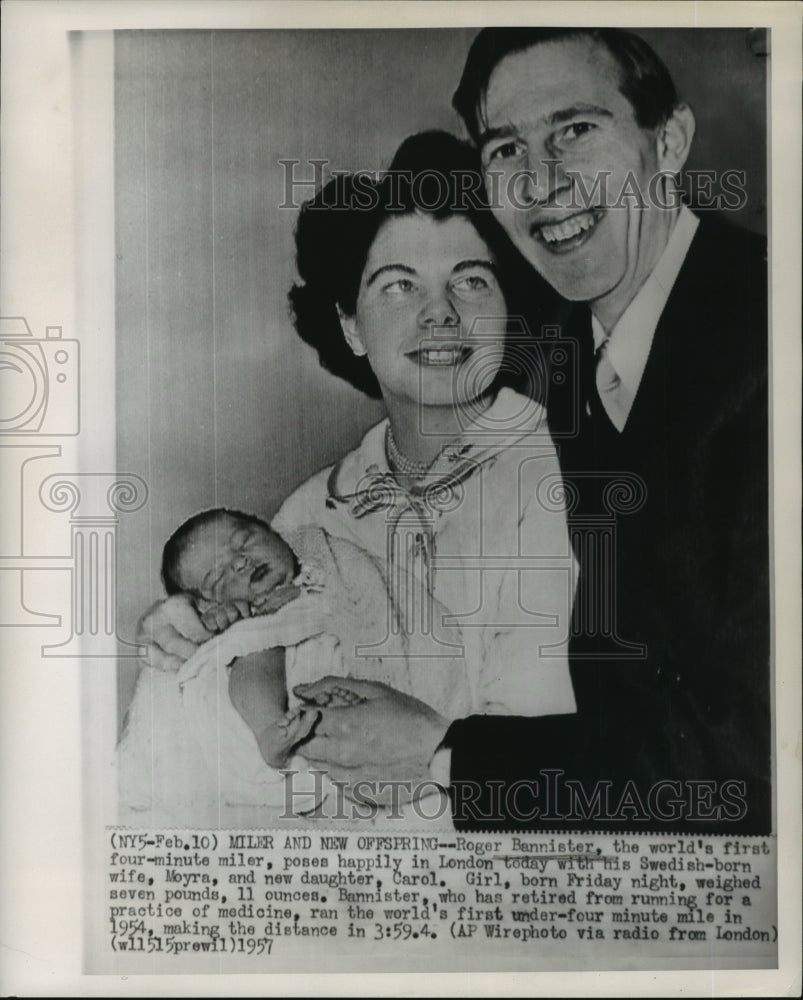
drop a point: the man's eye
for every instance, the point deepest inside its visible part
(504, 151)
(576, 131)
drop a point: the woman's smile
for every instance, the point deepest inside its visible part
(440, 357)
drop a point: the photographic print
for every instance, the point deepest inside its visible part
(394, 482)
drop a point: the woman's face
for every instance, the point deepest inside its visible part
(430, 314)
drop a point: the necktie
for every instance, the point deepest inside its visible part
(614, 395)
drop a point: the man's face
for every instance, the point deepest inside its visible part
(560, 101)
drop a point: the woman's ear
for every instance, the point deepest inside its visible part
(674, 139)
(348, 324)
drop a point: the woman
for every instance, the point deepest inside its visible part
(402, 293)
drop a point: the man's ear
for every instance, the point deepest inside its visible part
(674, 139)
(348, 324)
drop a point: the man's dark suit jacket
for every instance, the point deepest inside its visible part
(678, 738)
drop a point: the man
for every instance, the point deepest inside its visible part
(581, 134)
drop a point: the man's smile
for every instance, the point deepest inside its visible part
(569, 233)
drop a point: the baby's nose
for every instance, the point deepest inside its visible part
(242, 563)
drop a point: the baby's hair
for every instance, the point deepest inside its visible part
(177, 543)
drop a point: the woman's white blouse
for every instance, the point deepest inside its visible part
(486, 536)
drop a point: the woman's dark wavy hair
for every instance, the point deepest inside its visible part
(432, 172)
(644, 79)
(176, 545)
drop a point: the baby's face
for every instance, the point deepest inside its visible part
(230, 559)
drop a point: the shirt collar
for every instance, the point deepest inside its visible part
(630, 340)
(509, 418)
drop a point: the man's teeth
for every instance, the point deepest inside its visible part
(568, 228)
(442, 356)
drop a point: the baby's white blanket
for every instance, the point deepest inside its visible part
(187, 754)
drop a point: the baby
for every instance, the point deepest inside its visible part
(232, 566)
(282, 611)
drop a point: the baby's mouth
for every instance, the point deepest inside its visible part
(260, 573)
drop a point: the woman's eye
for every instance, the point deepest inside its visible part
(400, 285)
(471, 283)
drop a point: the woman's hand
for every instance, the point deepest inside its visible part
(172, 631)
(383, 735)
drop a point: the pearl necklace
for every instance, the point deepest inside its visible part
(401, 463)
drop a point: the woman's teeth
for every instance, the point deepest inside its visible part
(442, 356)
(568, 228)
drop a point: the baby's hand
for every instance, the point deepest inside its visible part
(278, 740)
(274, 599)
(218, 617)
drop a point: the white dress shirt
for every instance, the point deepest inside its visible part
(629, 342)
